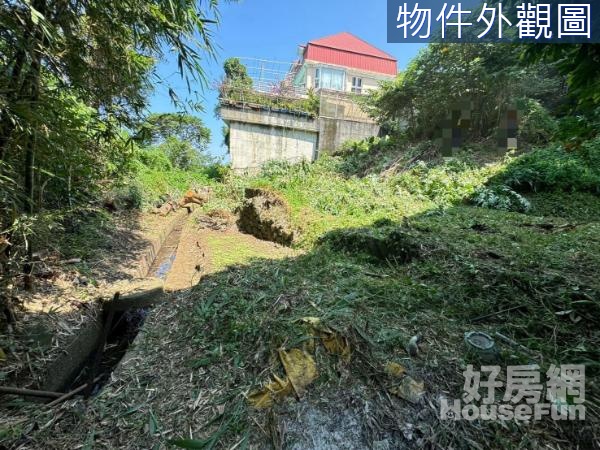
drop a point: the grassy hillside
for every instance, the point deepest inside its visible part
(412, 253)
(417, 246)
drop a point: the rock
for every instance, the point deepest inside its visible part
(266, 215)
(196, 196)
(412, 347)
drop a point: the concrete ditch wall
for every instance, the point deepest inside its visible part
(87, 338)
(69, 363)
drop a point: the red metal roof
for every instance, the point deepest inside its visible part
(347, 50)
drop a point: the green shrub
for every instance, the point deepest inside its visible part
(446, 184)
(276, 168)
(125, 196)
(537, 125)
(156, 159)
(555, 169)
(502, 198)
(217, 172)
(154, 185)
(578, 128)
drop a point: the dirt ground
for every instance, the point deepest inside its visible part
(153, 378)
(207, 245)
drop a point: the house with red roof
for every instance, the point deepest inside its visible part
(344, 63)
(270, 124)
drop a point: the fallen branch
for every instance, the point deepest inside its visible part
(497, 313)
(29, 392)
(71, 261)
(509, 341)
(74, 392)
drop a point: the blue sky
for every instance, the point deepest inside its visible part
(273, 29)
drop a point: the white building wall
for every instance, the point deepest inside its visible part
(252, 145)
(370, 80)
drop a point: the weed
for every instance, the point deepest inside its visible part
(553, 168)
(501, 197)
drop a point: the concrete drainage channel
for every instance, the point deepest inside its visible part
(97, 350)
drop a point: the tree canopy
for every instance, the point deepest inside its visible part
(237, 73)
(73, 76)
(485, 79)
(157, 128)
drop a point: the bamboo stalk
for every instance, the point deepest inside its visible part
(68, 395)
(29, 392)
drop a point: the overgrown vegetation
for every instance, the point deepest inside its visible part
(401, 242)
(554, 168)
(237, 89)
(236, 96)
(170, 158)
(437, 250)
(394, 240)
(72, 77)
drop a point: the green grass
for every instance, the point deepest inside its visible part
(579, 207)
(354, 226)
(474, 262)
(155, 184)
(228, 250)
(322, 199)
(471, 262)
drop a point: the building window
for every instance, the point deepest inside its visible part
(330, 79)
(357, 85)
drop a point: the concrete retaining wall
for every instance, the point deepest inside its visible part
(334, 132)
(258, 136)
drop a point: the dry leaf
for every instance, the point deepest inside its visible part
(333, 342)
(395, 370)
(410, 390)
(300, 368)
(337, 345)
(265, 397)
(301, 371)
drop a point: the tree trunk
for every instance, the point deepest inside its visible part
(29, 207)
(31, 86)
(69, 181)
(6, 128)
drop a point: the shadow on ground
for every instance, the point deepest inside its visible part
(438, 275)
